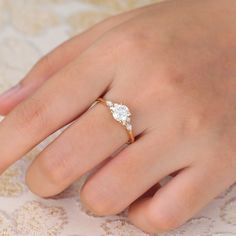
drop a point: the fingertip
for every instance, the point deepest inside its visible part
(37, 182)
(137, 214)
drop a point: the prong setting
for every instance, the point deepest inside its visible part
(120, 113)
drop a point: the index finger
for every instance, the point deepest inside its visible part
(56, 103)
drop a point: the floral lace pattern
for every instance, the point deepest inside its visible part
(29, 29)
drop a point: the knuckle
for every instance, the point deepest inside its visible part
(126, 39)
(59, 163)
(53, 169)
(31, 113)
(174, 80)
(94, 201)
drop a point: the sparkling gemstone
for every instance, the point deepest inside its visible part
(120, 112)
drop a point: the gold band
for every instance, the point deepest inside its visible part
(121, 114)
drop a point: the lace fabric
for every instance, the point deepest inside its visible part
(29, 29)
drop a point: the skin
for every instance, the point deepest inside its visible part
(173, 64)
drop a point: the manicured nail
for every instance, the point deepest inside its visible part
(10, 92)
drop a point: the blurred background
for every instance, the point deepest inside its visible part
(28, 30)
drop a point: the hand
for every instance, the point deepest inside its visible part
(173, 64)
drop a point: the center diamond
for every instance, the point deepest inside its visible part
(120, 112)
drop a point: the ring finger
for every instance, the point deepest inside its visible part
(91, 139)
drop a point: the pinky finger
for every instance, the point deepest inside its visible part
(178, 200)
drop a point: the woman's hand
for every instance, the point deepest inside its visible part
(174, 65)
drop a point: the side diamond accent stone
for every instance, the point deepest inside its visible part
(129, 127)
(109, 103)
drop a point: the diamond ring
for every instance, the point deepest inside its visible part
(121, 114)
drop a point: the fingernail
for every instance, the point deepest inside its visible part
(12, 91)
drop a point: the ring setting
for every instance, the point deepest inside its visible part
(120, 113)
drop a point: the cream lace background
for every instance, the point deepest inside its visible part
(29, 29)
